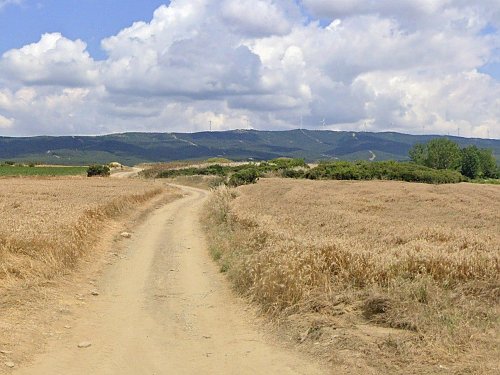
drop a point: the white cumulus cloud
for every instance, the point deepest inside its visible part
(256, 18)
(406, 65)
(54, 60)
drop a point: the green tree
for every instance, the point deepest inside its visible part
(438, 153)
(488, 164)
(471, 163)
(418, 153)
(443, 153)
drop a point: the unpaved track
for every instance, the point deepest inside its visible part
(127, 173)
(165, 309)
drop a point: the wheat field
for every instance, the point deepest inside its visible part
(46, 224)
(383, 275)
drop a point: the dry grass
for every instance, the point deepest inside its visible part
(389, 276)
(153, 169)
(47, 224)
(200, 182)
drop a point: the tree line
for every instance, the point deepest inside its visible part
(442, 153)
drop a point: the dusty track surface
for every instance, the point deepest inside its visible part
(165, 309)
(127, 173)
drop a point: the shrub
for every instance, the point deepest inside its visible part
(244, 177)
(286, 163)
(98, 170)
(388, 170)
(293, 173)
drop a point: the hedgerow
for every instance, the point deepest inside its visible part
(338, 170)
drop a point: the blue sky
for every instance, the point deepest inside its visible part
(413, 66)
(493, 66)
(89, 20)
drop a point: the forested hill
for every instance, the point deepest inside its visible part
(133, 148)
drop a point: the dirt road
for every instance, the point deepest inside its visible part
(127, 173)
(165, 309)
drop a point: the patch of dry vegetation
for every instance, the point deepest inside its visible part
(377, 276)
(200, 182)
(153, 169)
(47, 224)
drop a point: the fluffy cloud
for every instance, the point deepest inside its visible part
(185, 51)
(405, 65)
(257, 18)
(54, 60)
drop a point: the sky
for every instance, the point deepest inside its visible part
(88, 67)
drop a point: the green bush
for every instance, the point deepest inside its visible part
(98, 170)
(293, 173)
(388, 170)
(338, 170)
(286, 163)
(244, 177)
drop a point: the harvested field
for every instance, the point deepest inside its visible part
(47, 224)
(379, 276)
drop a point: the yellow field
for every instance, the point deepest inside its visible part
(47, 224)
(386, 276)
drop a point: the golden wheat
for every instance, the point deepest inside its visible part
(422, 259)
(47, 224)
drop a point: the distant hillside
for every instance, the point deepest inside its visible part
(134, 148)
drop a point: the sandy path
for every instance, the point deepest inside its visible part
(165, 309)
(127, 173)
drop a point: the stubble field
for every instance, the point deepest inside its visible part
(376, 276)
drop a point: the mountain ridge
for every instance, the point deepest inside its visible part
(241, 144)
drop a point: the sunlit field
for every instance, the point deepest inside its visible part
(46, 224)
(388, 276)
